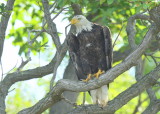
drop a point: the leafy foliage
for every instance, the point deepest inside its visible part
(28, 15)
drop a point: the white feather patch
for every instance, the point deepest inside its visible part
(100, 96)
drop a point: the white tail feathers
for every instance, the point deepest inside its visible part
(100, 96)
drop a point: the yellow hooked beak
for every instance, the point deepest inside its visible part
(74, 21)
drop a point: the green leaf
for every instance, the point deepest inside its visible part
(102, 1)
(145, 6)
(110, 1)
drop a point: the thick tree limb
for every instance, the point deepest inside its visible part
(147, 81)
(3, 26)
(67, 85)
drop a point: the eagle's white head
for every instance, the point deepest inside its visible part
(81, 23)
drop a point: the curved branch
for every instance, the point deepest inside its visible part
(67, 85)
(124, 97)
(3, 26)
(38, 72)
(130, 28)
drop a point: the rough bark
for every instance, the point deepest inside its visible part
(67, 85)
(62, 107)
(3, 26)
(124, 97)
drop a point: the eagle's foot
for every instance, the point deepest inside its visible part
(98, 73)
(88, 78)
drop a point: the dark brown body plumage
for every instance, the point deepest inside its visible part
(90, 51)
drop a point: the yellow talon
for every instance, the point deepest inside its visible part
(88, 78)
(98, 73)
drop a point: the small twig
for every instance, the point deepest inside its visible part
(153, 57)
(151, 53)
(118, 36)
(146, 57)
(138, 105)
(53, 5)
(59, 13)
(151, 94)
(154, 60)
(23, 63)
(84, 97)
(28, 53)
(156, 57)
(11, 90)
(33, 40)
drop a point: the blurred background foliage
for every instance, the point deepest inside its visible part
(28, 19)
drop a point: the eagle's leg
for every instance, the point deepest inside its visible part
(88, 78)
(99, 73)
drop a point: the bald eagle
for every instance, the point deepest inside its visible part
(90, 50)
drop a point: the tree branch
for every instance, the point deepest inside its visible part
(38, 72)
(77, 9)
(130, 28)
(3, 26)
(51, 25)
(139, 104)
(155, 15)
(147, 81)
(67, 104)
(67, 85)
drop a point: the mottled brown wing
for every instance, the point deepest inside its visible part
(108, 46)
